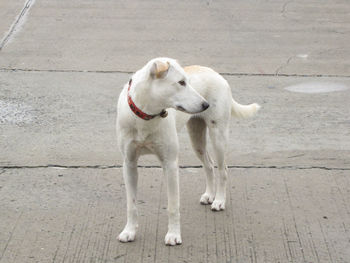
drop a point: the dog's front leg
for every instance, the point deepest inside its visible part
(130, 178)
(173, 237)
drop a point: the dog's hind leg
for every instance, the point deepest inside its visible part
(130, 178)
(197, 129)
(219, 137)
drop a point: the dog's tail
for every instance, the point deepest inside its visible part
(244, 111)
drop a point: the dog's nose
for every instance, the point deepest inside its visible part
(205, 105)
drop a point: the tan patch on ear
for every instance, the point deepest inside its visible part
(195, 69)
(161, 68)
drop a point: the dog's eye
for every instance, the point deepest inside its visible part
(182, 83)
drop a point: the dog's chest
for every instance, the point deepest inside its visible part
(143, 141)
(144, 147)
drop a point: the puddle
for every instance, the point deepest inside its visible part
(15, 113)
(317, 87)
(302, 55)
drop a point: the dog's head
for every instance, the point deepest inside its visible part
(169, 85)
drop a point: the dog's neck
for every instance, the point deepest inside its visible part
(138, 90)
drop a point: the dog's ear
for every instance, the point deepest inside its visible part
(159, 69)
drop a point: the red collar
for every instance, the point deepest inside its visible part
(139, 112)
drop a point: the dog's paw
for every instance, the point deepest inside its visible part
(218, 205)
(172, 239)
(127, 236)
(206, 199)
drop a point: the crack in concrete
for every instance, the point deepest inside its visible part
(221, 73)
(285, 6)
(283, 65)
(17, 23)
(289, 167)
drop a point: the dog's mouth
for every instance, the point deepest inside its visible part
(204, 107)
(180, 108)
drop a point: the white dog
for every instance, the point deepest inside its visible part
(157, 102)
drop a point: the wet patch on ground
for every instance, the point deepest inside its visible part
(317, 87)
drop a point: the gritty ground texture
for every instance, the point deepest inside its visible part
(62, 67)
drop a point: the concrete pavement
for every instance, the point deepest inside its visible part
(272, 215)
(260, 37)
(62, 66)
